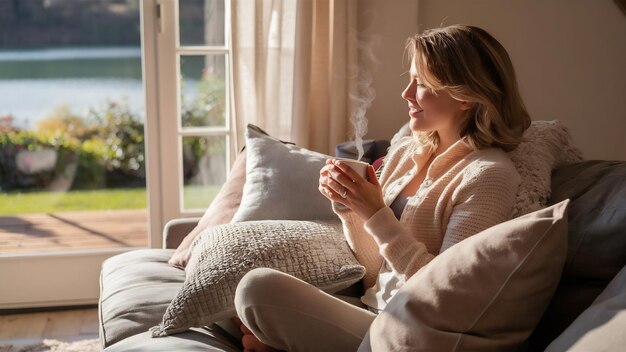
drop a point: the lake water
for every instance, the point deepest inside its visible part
(34, 82)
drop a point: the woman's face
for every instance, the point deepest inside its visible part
(432, 110)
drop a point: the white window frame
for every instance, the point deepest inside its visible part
(162, 52)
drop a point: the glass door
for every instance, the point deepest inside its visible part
(196, 129)
(72, 147)
(114, 118)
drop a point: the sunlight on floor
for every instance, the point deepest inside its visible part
(31, 328)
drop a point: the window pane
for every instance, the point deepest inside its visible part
(204, 169)
(201, 22)
(203, 90)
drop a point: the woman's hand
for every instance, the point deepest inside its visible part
(340, 183)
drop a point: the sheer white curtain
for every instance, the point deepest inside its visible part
(295, 65)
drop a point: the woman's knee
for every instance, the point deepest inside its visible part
(259, 286)
(256, 291)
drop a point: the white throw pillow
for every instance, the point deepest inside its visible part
(315, 252)
(281, 181)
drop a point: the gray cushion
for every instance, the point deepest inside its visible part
(597, 218)
(597, 241)
(135, 289)
(600, 327)
(200, 340)
(281, 181)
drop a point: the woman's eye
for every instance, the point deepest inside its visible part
(421, 85)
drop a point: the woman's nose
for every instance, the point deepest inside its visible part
(409, 92)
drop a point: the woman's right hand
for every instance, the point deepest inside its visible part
(340, 183)
(328, 186)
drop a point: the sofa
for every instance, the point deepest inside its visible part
(586, 313)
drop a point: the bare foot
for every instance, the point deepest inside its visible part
(249, 341)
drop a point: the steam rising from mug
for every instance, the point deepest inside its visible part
(363, 94)
(363, 98)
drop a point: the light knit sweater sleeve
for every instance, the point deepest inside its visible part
(484, 198)
(363, 246)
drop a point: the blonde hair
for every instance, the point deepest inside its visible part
(472, 66)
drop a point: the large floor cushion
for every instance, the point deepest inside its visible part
(135, 289)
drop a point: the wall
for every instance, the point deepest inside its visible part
(385, 26)
(569, 56)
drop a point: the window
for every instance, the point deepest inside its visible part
(189, 65)
(203, 57)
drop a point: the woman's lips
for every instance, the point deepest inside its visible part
(414, 112)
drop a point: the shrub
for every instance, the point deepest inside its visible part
(14, 142)
(119, 140)
(89, 156)
(207, 108)
(106, 148)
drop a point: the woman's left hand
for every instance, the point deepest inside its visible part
(340, 183)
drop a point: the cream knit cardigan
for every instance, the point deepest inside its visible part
(465, 191)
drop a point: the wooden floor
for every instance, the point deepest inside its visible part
(36, 233)
(31, 328)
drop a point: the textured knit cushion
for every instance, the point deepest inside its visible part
(546, 146)
(281, 181)
(315, 252)
(601, 327)
(486, 293)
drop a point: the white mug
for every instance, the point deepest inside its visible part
(360, 167)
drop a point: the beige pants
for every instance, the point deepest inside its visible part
(290, 314)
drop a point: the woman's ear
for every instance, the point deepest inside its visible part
(466, 105)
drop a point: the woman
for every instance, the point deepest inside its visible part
(450, 180)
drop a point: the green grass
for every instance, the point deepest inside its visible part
(47, 202)
(199, 197)
(196, 197)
